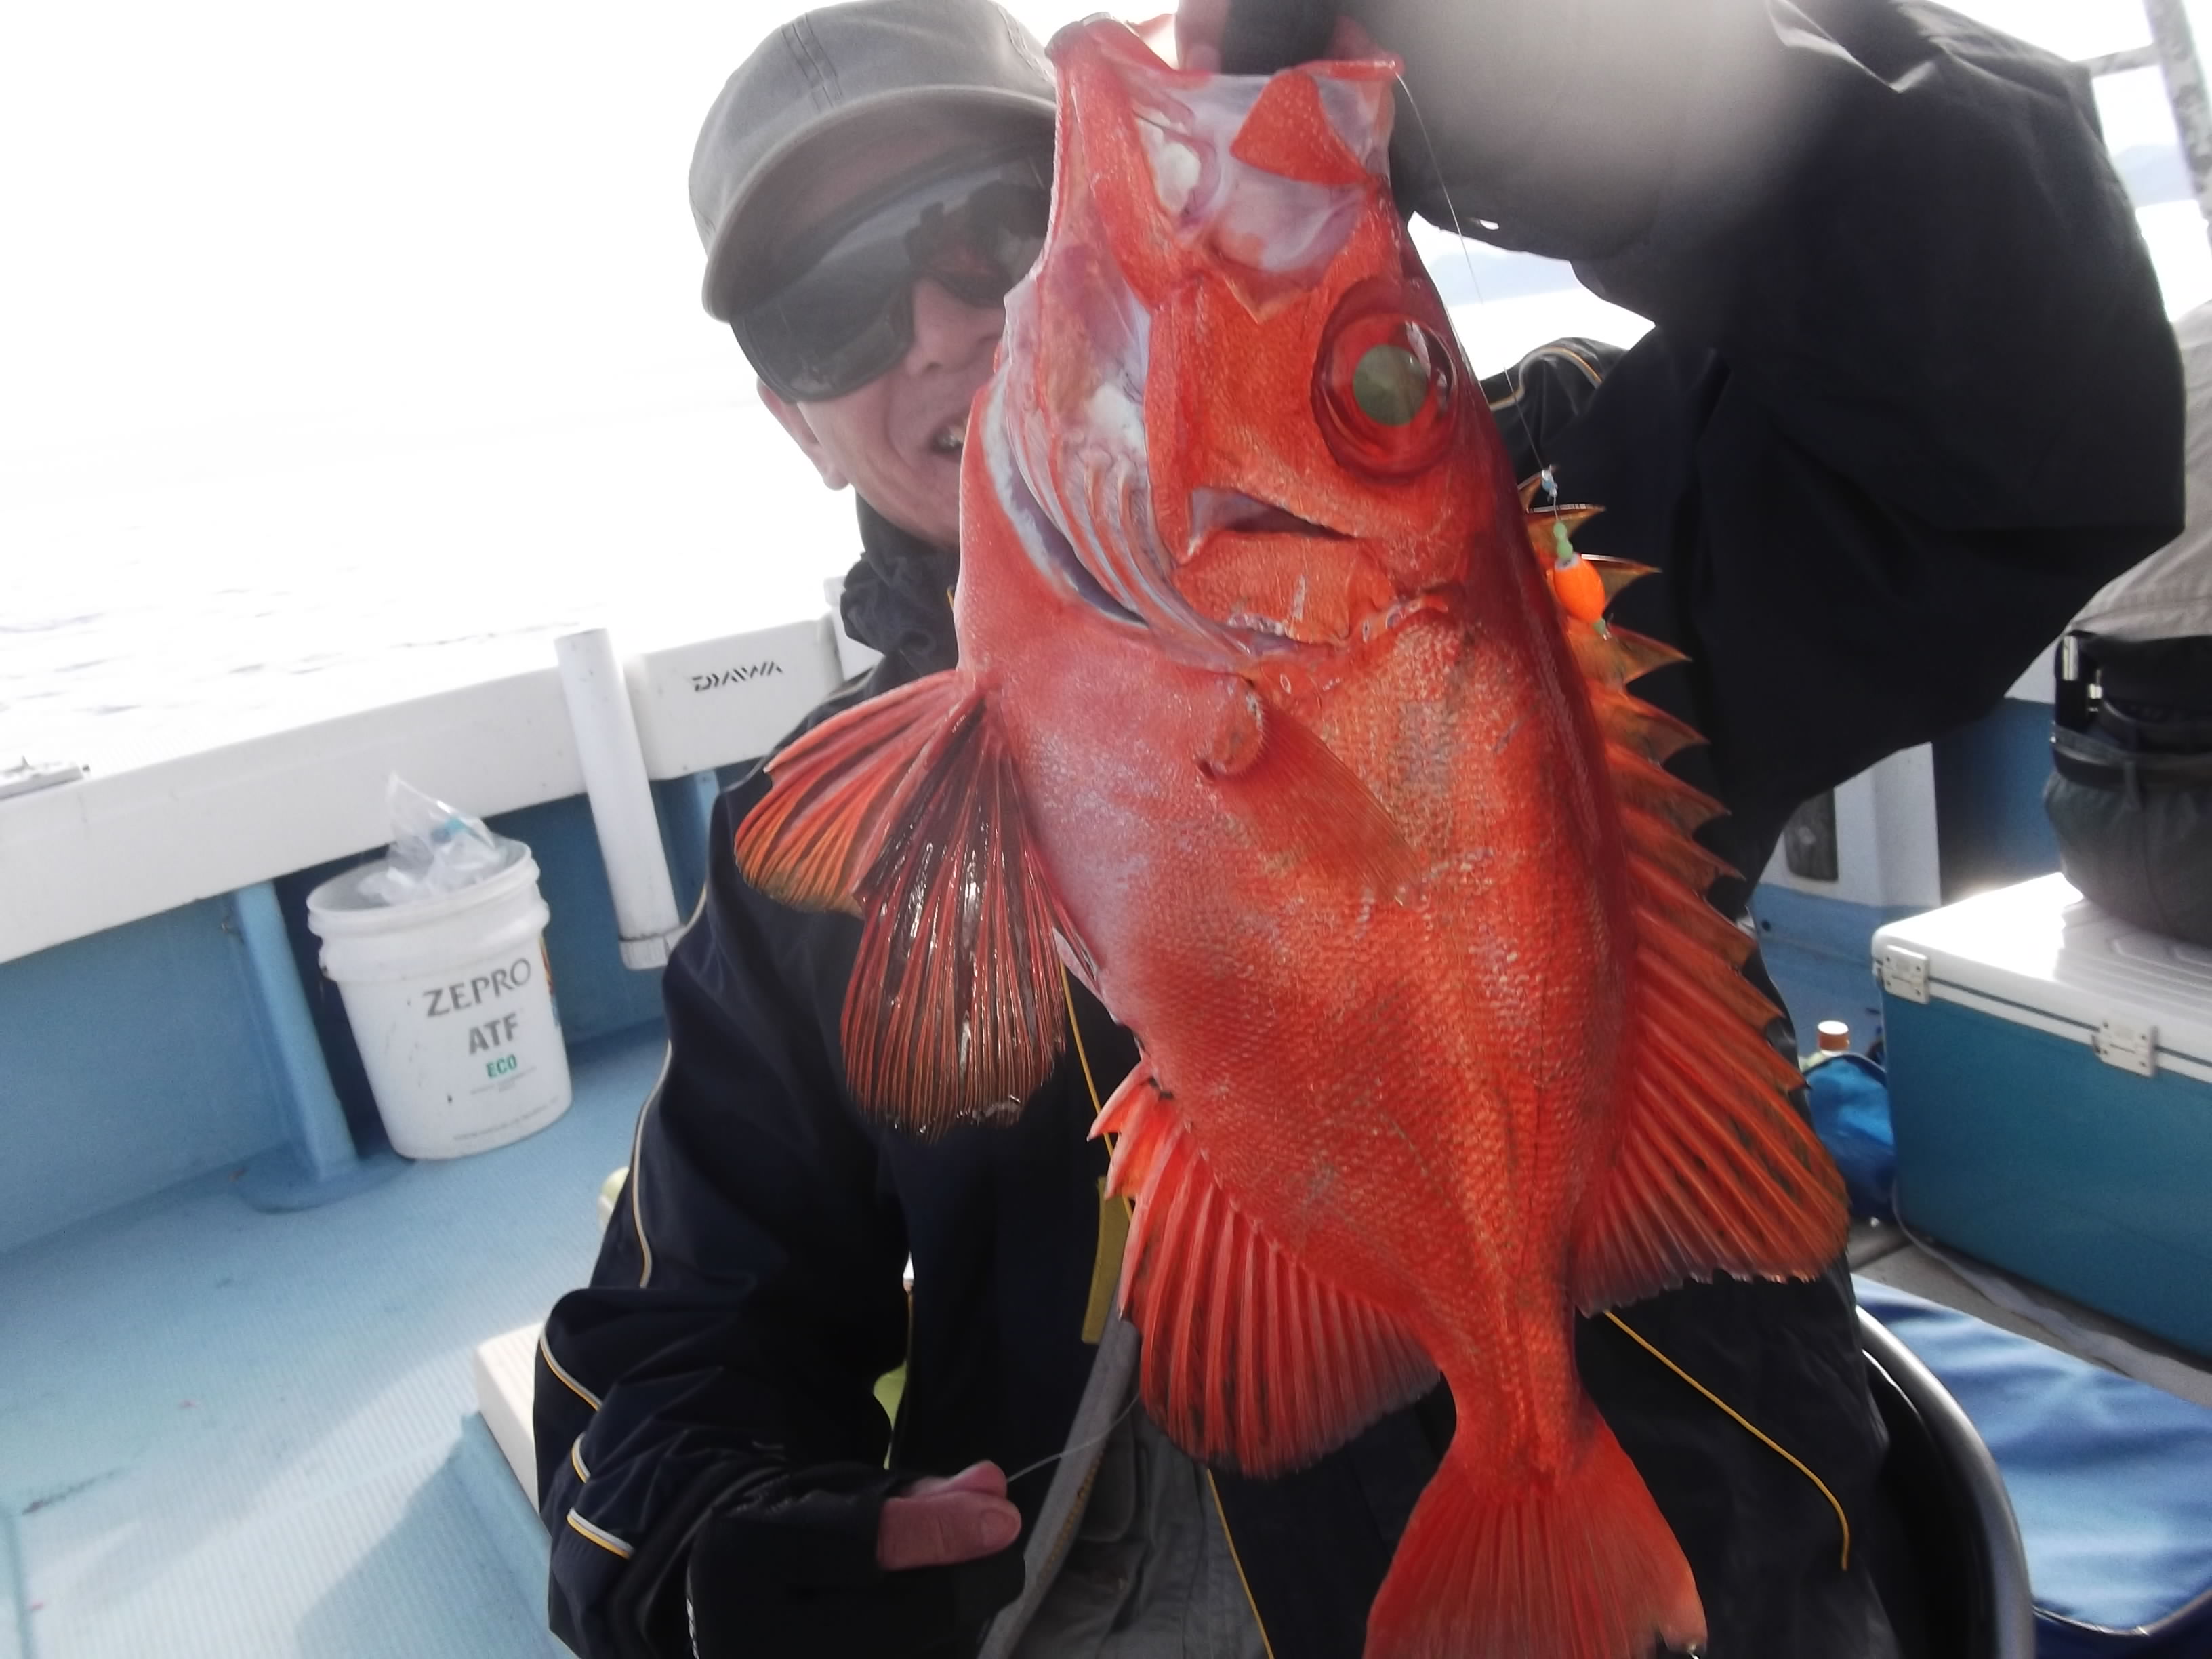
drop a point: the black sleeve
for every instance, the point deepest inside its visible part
(1911, 397)
(705, 1410)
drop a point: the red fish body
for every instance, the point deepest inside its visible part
(1269, 723)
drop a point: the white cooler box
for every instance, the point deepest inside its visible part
(2051, 1080)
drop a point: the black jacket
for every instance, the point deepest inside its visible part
(1911, 399)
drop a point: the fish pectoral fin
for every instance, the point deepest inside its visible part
(911, 815)
(1300, 799)
(1251, 1361)
(1714, 1170)
(820, 825)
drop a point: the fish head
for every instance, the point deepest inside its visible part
(1230, 404)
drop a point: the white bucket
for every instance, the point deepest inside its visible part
(450, 1000)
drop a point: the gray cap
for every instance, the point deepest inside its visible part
(836, 76)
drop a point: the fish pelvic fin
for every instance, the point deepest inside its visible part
(1251, 1361)
(1573, 1565)
(906, 810)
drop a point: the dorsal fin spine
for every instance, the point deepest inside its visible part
(1714, 1171)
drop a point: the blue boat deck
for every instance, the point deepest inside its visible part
(224, 1432)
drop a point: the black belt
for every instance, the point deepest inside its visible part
(2083, 759)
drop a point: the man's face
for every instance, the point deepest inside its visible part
(897, 439)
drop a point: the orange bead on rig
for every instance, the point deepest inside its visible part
(1575, 581)
(1580, 591)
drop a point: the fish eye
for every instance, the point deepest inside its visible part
(1389, 384)
(1384, 388)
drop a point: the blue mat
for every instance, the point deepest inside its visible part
(2110, 1480)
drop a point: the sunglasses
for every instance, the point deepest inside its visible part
(838, 309)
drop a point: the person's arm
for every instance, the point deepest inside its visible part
(711, 1455)
(1911, 397)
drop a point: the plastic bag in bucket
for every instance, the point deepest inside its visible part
(438, 951)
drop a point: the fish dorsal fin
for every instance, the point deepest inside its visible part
(1251, 1361)
(906, 810)
(1714, 1170)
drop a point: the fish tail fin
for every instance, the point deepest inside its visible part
(1580, 1566)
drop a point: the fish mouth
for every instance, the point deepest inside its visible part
(1214, 510)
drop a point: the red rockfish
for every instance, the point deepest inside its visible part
(1283, 723)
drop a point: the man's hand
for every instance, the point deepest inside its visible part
(940, 1521)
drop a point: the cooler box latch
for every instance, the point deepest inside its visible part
(2127, 1044)
(1904, 973)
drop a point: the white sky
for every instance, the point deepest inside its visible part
(288, 219)
(248, 238)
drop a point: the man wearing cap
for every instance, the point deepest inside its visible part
(1909, 400)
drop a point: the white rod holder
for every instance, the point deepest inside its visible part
(621, 799)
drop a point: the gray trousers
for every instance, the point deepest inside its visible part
(1129, 1559)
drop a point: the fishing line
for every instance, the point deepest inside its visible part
(1090, 1084)
(1099, 1439)
(1514, 378)
(1843, 1521)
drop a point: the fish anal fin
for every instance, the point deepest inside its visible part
(819, 826)
(1300, 799)
(1251, 1361)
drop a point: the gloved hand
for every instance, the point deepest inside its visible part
(1263, 38)
(1563, 132)
(836, 1563)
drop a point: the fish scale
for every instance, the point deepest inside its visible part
(1282, 719)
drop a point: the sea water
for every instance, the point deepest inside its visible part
(165, 609)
